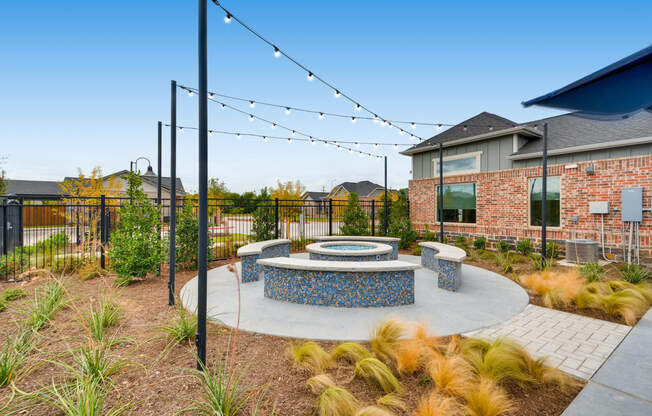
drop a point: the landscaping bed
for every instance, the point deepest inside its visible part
(157, 381)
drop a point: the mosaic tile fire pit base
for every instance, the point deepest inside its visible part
(341, 289)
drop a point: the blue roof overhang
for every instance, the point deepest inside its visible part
(621, 87)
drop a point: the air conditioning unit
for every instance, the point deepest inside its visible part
(582, 251)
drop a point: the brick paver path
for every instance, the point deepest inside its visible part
(573, 343)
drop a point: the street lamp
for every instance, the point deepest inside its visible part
(133, 166)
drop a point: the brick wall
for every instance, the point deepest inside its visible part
(502, 206)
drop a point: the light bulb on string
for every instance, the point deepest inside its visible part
(252, 104)
(310, 76)
(352, 119)
(265, 139)
(294, 133)
(321, 116)
(227, 18)
(375, 145)
(414, 126)
(375, 118)
(339, 147)
(190, 93)
(395, 145)
(238, 136)
(401, 132)
(223, 106)
(325, 143)
(313, 142)
(491, 128)
(384, 123)
(251, 117)
(465, 127)
(180, 128)
(273, 125)
(358, 107)
(277, 52)
(289, 140)
(350, 150)
(337, 94)
(211, 95)
(438, 126)
(210, 132)
(357, 144)
(287, 111)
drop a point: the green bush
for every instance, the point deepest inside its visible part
(400, 225)
(416, 251)
(460, 241)
(552, 250)
(263, 226)
(187, 238)
(524, 246)
(429, 235)
(12, 294)
(480, 243)
(592, 272)
(633, 273)
(355, 220)
(136, 248)
(502, 246)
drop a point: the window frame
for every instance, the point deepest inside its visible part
(478, 163)
(475, 194)
(529, 203)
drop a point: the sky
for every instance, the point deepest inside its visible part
(84, 83)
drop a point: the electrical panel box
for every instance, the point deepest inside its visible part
(599, 207)
(632, 203)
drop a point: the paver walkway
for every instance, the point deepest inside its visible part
(573, 343)
(623, 385)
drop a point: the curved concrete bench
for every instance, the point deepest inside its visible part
(250, 253)
(446, 261)
(392, 241)
(349, 284)
(373, 252)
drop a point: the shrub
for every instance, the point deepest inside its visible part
(385, 339)
(428, 235)
(504, 261)
(376, 372)
(373, 411)
(355, 220)
(556, 288)
(400, 224)
(392, 401)
(182, 329)
(592, 272)
(502, 246)
(311, 356)
(480, 243)
(91, 270)
(13, 355)
(104, 316)
(187, 239)
(618, 298)
(46, 303)
(434, 404)
(460, 241)
(487, 399)
(263, 226)
(317, 384)
(136, 246)
(12, 294)
(409, 356)
(351, 352)
(524, 246)
(416, 251)
(634, 273)
(336, 401)
(552, 250)
(93, 361)
(451, 374)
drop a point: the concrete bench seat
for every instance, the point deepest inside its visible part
(250, 253)
(349, 284)
(392, 241)
(446, 261)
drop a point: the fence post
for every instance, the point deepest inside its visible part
(3, 249)
(275, 217)
(373, 217)
(330, 217)
(102, 229)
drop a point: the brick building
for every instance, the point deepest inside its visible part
(492, 178)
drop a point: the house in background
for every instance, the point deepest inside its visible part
(148, 186)
(366, 190)
(492, 177)
(311, 196)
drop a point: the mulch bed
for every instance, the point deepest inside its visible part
(161, 385)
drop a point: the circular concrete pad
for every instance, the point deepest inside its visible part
(484, 299)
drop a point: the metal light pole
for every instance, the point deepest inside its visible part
(386, 202)
(441, 192)
(173, 190)
(203, 186)
(158, 178)
(544, 195)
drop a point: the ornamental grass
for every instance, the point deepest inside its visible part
(487, 399)
(317, 384)
(392, 401)
(451, 374)
(311, 357)
(434, 404)
(385, 339)
(351, 352)
(376, 372)
(373, 411)
(336, 401)
(555, 288)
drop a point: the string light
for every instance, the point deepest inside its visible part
(252, 104)
(321, 116)
(294, 133)
(265, 139)
(287, 111)
(210, 132)
(211, 95)
(352, 119)
(465, 127)
(337, 94)
(190, 93)
(180, 128)
(273, 125)
(414, 125)
(438, 126)
(310, 76)
(358, 107)
(251, 117)
(289, 140)
(238, 136)
(227, 18)
(277, 53)
(395, 146)
(357, 144)
(223, 106)
(313, 142)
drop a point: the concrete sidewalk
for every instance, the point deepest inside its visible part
(623, 384)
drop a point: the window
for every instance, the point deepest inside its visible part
(459, 203)
(553, 201)
(459, 164)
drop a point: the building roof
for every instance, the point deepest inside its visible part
(362, 188)
(575, 132)
(315, 196)
(622, 87)
(34, 189)
(151, 179)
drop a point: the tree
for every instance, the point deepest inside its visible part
(136, 248)
(263, 226)
(3, 185)
(380, 209)
(291, 204)
(355, 220)
(399, 221)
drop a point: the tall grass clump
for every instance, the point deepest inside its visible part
(105, 315)
(320, 382)
(392, 401)
(311, 356)
(451, 374)
(634, 273)
(592, 272)
(351, 352)
(336, 401)
(487, 399)
(555, 288)
(480, 243)
(376, 372)
(373, 411)
(524, 246)
(13, 355)
(183, 328)
(385, 339)
(12, 294)
(94, 361)
(625, 300)
(45, 304)
(434, 404)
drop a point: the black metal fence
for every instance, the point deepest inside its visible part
(61, 235)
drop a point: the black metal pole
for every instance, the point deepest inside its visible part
(441, 192)
(386, 202)
(276, 218)
(203, 186)
(158, 179)
(173, 191)
(102, 230)
(544, 195)
(373, 217)
(330, 217)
